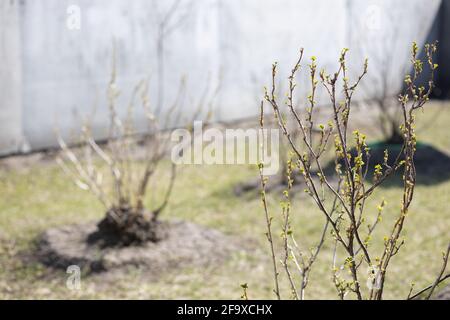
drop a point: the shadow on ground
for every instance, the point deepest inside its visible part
(432, 165)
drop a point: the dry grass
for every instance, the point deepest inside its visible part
(36, 197)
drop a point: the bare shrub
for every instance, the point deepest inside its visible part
(122, 187)
(342, 198)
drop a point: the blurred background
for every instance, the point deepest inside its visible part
(57, 55)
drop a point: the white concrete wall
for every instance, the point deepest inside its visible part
(254, 34)
(11, 138)
(67, 71)
(383, 31)
(59, 74)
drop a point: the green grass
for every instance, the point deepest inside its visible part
(38, 197)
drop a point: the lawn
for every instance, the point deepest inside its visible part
(38, 196)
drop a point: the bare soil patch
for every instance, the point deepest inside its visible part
(186, 245)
